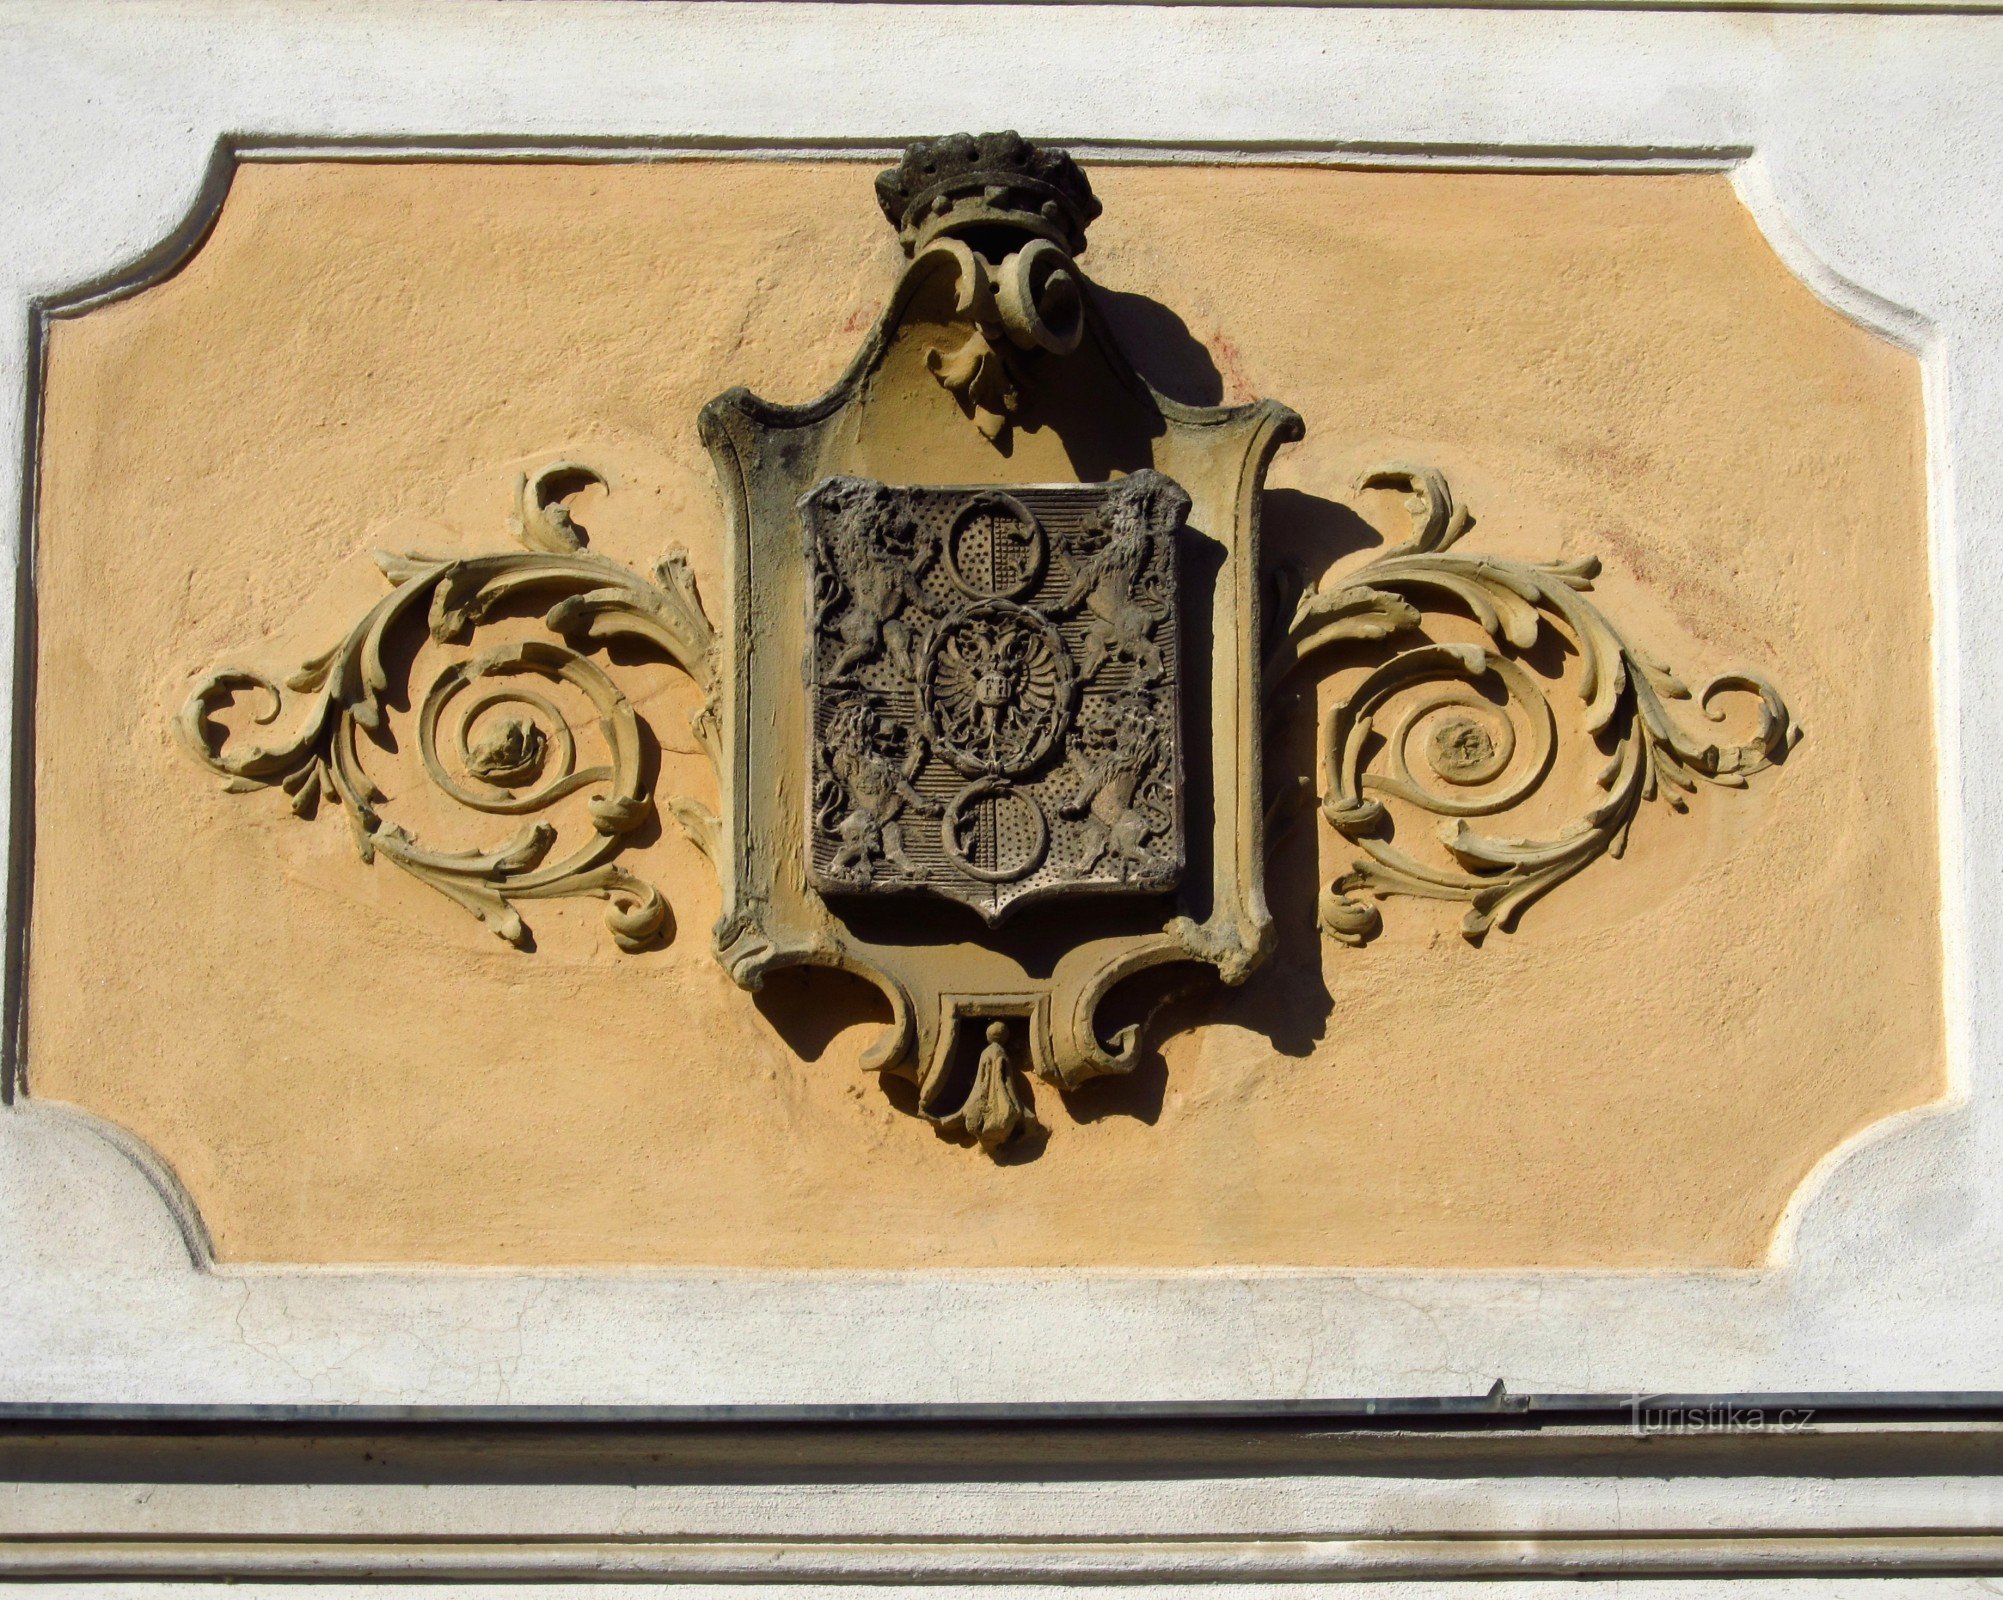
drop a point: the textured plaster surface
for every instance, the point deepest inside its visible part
(1852, 137)
(362, 356)
(1007, 1535)
(1337, 1505)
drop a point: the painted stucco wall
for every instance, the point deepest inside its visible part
(1850, 134)
(343, 1067)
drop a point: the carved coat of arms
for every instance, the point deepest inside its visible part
(994, 687)
(987, 689)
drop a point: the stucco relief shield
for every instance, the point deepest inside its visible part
(991, 683)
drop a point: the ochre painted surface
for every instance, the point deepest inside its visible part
(343, 1067)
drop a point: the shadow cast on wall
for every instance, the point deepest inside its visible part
(1286, 1001)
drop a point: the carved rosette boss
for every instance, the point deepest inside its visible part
(985, 696)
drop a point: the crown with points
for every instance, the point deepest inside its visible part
(965, 182)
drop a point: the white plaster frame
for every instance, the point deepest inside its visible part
(1179, 1531)
(1863, 142)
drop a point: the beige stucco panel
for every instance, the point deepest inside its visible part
(344, 1067)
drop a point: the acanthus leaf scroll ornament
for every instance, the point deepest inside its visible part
(985, 698)
(490, 735)
(1482, 729)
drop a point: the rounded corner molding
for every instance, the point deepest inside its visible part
(30, 1123)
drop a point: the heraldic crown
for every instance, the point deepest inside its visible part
(967, 182)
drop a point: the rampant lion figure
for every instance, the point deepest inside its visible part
(1123, 804)
(876, 554)
(873, 762)
(1110, 574)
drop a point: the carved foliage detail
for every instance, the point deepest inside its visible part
(1460, 730)
(499, 730)
(993, 684)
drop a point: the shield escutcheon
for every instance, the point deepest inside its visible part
(990, 683)
(994, 690)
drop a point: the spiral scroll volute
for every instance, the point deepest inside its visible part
(1456, 730)
(1436, 737)
(1035, 296)
(1041, 299)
